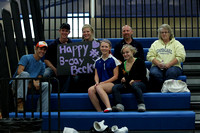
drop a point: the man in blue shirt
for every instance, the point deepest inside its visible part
(30, 66)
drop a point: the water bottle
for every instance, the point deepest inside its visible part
(162, 62)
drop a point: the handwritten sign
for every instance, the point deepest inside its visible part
(77, 58)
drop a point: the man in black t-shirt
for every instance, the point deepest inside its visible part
(127, 34)
(51, 57)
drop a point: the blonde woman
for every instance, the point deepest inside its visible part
(83, 81)
(133, 79)
(88, 33)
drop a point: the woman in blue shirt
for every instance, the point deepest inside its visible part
(106, 72)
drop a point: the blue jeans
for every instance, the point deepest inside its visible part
(48, 72)
(64, 80)
(158, 76)
(44, 87)
(137, 89)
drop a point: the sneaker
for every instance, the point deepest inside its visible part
(118, 108)
(20, 105)
(69, 130)
(114, 128)
(141, 107)
(107, 130)
(107, 110)
(122, 130)
(99, 127)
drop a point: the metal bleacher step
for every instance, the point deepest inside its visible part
(197, 126)
(194, 88)
(193, 80)
(197, 118)
(195, 97)
(197, 115)
(192, 59)
(191, 68)
(188, 66)
(187, 63)
(193, 83)
(191, 72)
(192, 53)
(195, 106)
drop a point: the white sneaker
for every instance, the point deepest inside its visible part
(122, 130)
(69, 130)
(99, 126)
(107, 110)
(114, 128)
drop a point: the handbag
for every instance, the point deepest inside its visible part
(172, 85)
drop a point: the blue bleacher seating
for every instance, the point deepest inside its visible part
(150, 120)
(153, 101)
(165, 111)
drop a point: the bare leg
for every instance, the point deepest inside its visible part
(102, 90)
(94, 99)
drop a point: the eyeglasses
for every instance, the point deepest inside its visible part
(164, 32)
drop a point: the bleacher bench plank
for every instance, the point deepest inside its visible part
(153, 101)
(156, 120)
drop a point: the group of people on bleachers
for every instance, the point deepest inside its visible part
(166, 55)
(122, 72)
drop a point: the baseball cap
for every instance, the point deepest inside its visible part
(42, 44)
(65, 26)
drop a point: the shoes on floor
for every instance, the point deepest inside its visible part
(99, 126)
(115, 129)
(69, 130)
